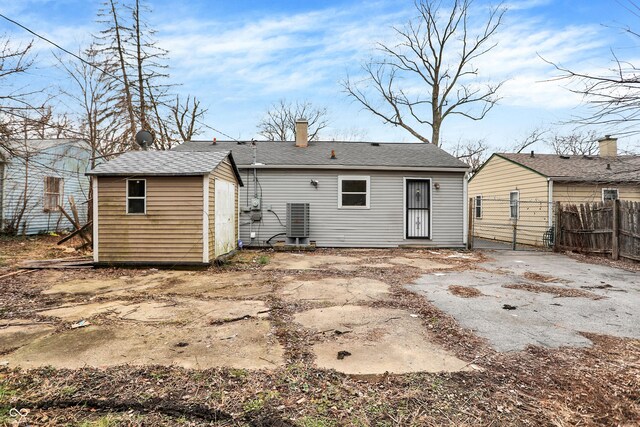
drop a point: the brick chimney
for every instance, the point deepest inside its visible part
(302, 133)
(608, 146)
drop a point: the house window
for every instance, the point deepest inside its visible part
(479, 206)
(353, 192)
(136, 196)
(609, 194)
(52, 193)
(514, 204)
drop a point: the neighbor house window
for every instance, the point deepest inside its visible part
(609, 194)
(136, 196)
(478, 206)
(514, 204)
(52, 193)
(353, 192)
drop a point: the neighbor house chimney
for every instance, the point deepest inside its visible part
(302, 133)
(608, 146)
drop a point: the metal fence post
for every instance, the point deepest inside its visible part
(470, 225)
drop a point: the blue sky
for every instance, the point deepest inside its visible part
(241, 56)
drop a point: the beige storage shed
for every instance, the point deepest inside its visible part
(165, 208)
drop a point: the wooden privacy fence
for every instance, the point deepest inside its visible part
(602, 228)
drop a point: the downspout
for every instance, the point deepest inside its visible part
(550, 201)
(465, 209)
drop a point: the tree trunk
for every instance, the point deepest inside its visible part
(139, 61)
(125, 79)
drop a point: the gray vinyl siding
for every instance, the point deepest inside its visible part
(382, 225)
(65, 161)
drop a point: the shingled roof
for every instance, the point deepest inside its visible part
(318, 154)
(164, 163)
(580, 168)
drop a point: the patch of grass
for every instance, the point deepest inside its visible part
(263, 260)
(238, 373)
(253, 405)
(6, 392)
(67, 391)
(315, 422)
(106, 421)
(257, 404)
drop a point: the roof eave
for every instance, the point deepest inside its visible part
(134, 174)
(593, 180)
(457, 169)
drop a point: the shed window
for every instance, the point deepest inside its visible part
(514, 204)
(478, 206)
(353, 192)
(609, 194)
(52, 193)
(136, 196)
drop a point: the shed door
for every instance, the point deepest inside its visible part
(225, 217)
(418, 208)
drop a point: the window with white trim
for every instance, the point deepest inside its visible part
(52, 193)
(478, 206)
(609, 194)
(353, 192)
(136, 196)
(514, 204)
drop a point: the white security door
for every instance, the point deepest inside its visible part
(225, 217)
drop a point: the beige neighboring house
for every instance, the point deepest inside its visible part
(520, 190)
(165, 207)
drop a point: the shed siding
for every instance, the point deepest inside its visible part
(590, 193)
(380, 226)
(223, 171)
(494, 182)
(170, 231)
(65, 161)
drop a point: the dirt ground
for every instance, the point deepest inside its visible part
(326, 338)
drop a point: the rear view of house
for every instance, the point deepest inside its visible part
(514, 194)
(347, 194)
(164, 207)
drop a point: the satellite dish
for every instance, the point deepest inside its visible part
(144, 138)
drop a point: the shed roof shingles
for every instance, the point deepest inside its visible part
(580, 168)
(161, 163)
(318, 153)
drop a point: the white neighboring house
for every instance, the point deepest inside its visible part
(37, 176)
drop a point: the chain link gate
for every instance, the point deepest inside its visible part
(511, 224)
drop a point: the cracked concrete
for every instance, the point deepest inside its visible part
(378, 340)
(336, 290)
(539, 318)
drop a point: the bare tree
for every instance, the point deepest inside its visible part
(279, 122)
(13, 60)
(613, 95)
(535, 136)
(429, 74)
(186, 116)
(575, 144)
(100, 121)
(139, 78)
(14, 105)
(473, 153)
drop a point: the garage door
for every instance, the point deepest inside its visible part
(225, 203)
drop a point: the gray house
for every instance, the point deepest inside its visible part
(36, 176)
(347, 194)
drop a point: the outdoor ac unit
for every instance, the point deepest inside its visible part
(298, 223)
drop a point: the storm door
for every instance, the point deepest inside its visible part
(418, 206)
